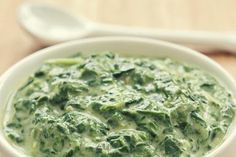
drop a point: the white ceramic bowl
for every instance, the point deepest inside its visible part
(17, 74)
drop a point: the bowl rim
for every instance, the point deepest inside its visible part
(8, 149)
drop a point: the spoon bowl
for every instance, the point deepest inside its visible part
(51, 25)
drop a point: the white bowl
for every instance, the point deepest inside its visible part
(17, 74)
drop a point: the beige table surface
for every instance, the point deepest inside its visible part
(212, 15)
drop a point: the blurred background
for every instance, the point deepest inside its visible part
(208, 15)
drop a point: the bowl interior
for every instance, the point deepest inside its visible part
(15, 76)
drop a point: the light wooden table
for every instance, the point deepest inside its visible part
(173, 14)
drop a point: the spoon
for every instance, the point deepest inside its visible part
(51, 25)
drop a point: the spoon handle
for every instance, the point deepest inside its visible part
(201, 40)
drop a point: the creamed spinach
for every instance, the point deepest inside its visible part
(105, 105)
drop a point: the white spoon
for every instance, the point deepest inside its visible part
(53, 25)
